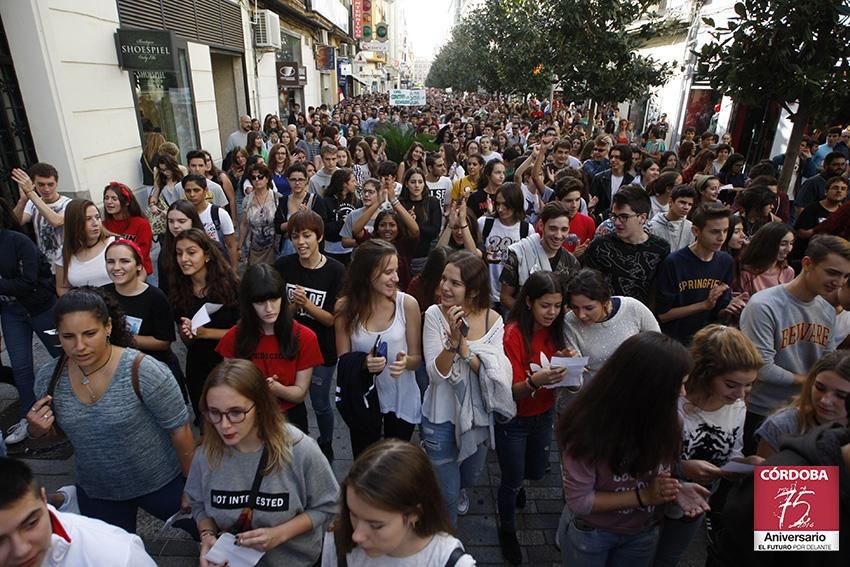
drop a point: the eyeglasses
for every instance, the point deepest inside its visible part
(297, 180)
(598, 149)
(233, 416)
(258, 176)
(623, 218)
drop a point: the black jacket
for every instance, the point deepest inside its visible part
(25, 275)
(600, 188)
(734, 546)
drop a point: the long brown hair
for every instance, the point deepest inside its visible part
(222, 284)
(273, 157)
(370, 157)
(170, 165)
(244, 377)
(395, 476)
(837, 362)
(75, 230)
(369, 258)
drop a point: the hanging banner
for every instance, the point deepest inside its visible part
(407, 97)
(376, 46)
(357, 19)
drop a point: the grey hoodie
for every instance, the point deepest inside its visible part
(677, 233)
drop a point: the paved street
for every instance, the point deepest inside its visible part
(537, 523)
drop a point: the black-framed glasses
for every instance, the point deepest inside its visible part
(258, 176)
(623, 217)
(233, 416)
(297, 180)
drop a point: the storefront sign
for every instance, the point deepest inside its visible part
(287, 73)
(325, 59)
(145, 50)
(302, 75)
(376, 46)
(357, 19)
(405, 97)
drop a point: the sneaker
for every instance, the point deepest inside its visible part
(462, 502)
(17, 432)
(70, 505)
(511, 550)
(521, 499)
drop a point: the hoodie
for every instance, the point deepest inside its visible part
(734, 544)
(677, 233)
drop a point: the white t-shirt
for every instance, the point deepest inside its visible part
(714, 436)
(209, 225)
(497, 243)
(440, 189)
(90, 272)
(435, 554)
(842, 327)
(491, 156)
(615, 184)
(49, 238)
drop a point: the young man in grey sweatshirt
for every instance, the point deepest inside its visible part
(322, 178)
(791, 325)
(673, 225)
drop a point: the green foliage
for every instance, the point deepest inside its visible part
(783, 51)
(398, 143)
(523, 46)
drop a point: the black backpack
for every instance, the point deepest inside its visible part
(216, 220)
(356, 394)
(490, 221)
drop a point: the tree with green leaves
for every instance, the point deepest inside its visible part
(592, 48)
(783, 51)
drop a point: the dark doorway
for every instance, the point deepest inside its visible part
(16, 145)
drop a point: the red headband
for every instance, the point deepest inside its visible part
(124, 189)
(129, 243)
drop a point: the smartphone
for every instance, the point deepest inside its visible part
(306, 199)
(380, 348)
(464, 327)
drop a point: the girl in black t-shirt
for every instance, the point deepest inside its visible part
(150, 318)
(206, 277)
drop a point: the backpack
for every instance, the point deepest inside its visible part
(356, 394)
(216, 220)
(490, 221)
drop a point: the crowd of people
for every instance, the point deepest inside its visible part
(445, 293)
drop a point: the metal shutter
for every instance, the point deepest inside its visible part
(212, 22)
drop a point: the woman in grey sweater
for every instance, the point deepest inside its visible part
(247, 440)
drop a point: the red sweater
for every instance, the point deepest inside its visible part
(541, 341)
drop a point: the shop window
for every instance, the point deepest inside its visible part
(165, 104)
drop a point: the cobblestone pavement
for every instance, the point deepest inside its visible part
(537, 523)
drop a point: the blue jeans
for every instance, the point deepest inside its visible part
(320, 397)
(522, 445)
(18, 327)
(673, 542)
(602, 548)
(442, 449)
(162, 503)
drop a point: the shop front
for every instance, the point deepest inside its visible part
(291, 75)
(161, 84)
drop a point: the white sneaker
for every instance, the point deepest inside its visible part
(462, 502)
(17, 432)
(70, 504)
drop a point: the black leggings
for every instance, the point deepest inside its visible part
(394, 428)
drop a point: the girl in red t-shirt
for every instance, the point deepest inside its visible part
(123, 217)
(535, 328)
(283, 349)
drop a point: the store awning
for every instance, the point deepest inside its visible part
(359, 80)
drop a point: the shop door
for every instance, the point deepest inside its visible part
(16, 145)
(225, 70)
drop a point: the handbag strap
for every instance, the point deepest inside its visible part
(246, 516)
(57, 372)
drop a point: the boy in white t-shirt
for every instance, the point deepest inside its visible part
(195, 188)
(41, 204)
(438, 184)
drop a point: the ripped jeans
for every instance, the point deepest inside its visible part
(439, 442)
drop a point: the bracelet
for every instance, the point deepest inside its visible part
(640, 502)
(534, 387)
(394, 202)
(208, 531)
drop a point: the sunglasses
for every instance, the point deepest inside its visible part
(258, 176)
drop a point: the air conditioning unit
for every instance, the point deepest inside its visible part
(266, 30)
(325, 37)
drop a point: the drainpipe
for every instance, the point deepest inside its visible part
(691, 59)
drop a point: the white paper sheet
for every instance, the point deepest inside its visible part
(225, 549)
(202, 317)
(734, 467)
(175, 518)
(575, 370)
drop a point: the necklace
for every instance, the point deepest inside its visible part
(317, 264)
(85, 380)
